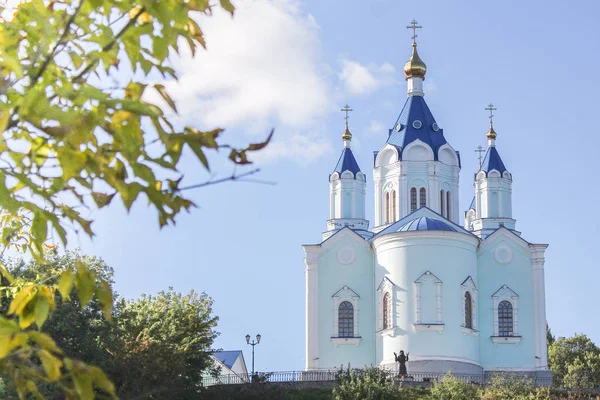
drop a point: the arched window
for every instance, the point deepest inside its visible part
(387, 311)
(413, 199)
(505, 318)
(448, 204)
(387, 207)
(468, 311)
(423, 197)
(346, 319)
(394, 215)
(442, 208)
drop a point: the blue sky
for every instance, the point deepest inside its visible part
(292, 65)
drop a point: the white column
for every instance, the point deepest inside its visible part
(331, 201)
(539, 304)
(438, 298)
(404, 195)
(312, 311)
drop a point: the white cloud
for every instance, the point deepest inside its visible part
(261, 68)
(376, 127)
(301, 149)
(359, 79)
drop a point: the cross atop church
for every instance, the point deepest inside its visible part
(491, 109)
(346, 109)
(480, 150)
(413, 25)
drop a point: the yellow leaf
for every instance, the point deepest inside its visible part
(21, 299)
(65, 283)
(83, 385)
(48, 294)
(41, 311)
(84, 280)
(31, 386)
(105, 297)
(51, 364)
(45, 341)
(101, 381)
(28, 315)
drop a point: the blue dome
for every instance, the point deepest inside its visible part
(492, 161)
(426, 224)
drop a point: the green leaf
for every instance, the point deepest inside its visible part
(163, 92)
(226, 4)
(65, 283)
(21, 299)
(102, 199)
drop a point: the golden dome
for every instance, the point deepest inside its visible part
(415, 66)
(346, 135)
(491, 133)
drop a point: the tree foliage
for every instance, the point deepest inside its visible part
(164, 342)
(453, 388)
(154, 345)
(575, 362)
(77, 131)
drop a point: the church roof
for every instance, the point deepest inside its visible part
(492, 161)
(426, 224)
(415, 109)
(227, 357)
(419, 224)
(347, 162)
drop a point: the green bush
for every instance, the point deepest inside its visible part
(452, 388)
(367, 384)
(510, 386)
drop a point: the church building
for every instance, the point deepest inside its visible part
(458, 291)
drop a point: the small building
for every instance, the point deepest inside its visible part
(233, 368)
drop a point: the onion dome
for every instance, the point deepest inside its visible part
(491, 133)
(346, 135)
(415, 67)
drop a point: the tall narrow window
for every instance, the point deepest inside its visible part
(387, 311)
(413, 199)
(394, 215)
(423, 197)
(387, 207)
(448, 205)
(346, 320)
(505, 318)
(468, 311)
(442, 208)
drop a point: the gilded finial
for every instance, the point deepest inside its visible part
(346, 135)
(491, 133)
(415, 67)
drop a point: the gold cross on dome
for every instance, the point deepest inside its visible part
(480, 150)
(413, 25)
(346, 109)
(491, 109)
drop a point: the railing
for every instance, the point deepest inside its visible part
(333, 375)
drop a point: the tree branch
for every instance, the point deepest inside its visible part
(233, 177)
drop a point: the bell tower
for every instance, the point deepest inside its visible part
(416, 167)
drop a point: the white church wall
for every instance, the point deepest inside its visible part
(506, 262)
(403, 258)
(346, 262)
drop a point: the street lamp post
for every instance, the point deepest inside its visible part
(253, 343)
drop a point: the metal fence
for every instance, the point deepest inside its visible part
(333, 375)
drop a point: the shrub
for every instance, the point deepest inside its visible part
(366, 384)
(510, 386)
(452, 388)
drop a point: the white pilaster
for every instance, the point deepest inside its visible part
(539, 305)
(312, 317)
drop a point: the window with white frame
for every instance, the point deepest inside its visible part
(469, 301)
(386, 306)
(506, 316)
(345, 306)
(428, 302)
